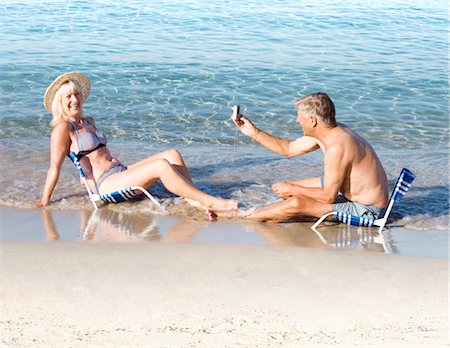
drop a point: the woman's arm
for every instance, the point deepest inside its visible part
(59, 147)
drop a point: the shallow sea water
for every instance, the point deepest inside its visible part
(166, 74)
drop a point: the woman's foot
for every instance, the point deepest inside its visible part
(216, 204)
(196, 203)
(223, 204)
(230, 213)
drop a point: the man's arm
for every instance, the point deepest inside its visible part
(278, 145)
(334, 176)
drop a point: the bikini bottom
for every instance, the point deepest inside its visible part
(113, 170)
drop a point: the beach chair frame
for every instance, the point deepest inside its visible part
(402, 186)
(117, 196)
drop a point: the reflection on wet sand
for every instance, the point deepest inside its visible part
(182, 232)
(289, 234)
(336, 236)
(341, 236)
(49, 225)
(111, 225)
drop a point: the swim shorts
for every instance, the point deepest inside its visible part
(343, 205)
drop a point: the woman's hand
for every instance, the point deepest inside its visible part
(41, 204)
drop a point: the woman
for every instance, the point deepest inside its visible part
(74, 132)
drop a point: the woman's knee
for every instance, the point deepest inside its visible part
(158, 167)
(172, 155)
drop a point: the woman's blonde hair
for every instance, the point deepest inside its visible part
(57, 108)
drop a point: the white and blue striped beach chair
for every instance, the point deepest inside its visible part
(118, 196)
(401, 187)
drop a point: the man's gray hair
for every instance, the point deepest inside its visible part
(320, 105)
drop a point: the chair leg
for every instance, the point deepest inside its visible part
(380, 223)
(145, 192)
(323, 217)
(94, 203)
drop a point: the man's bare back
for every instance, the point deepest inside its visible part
(365, 179)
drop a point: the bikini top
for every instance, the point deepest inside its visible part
(87, 141)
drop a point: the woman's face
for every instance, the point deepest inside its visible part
(72, 103)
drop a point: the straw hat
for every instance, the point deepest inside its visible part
(77, 77)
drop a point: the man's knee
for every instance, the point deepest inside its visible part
(294, 205)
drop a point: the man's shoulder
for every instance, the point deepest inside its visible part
(347, 135)
(344, 141)
(340, 136)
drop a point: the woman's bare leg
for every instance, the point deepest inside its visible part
(146, 174)
(173, 157)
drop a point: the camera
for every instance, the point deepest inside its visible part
(236, 113)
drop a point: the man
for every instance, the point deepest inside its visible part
(354, 180)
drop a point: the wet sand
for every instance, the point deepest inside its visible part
(71, 278)
(181, 225)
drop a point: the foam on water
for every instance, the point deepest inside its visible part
(245, 174)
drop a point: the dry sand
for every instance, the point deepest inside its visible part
(196, 295)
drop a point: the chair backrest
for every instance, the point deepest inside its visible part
(77, 164)
(75, 161)
(402, 186)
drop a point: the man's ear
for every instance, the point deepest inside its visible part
(313, 120)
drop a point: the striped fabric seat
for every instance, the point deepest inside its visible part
(353, 220)
(402, 186)
(119, 196)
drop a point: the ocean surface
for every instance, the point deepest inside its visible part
(165, 74)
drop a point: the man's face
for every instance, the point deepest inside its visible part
(302, 120)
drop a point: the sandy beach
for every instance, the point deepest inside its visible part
(165, 75)
(194, 295)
